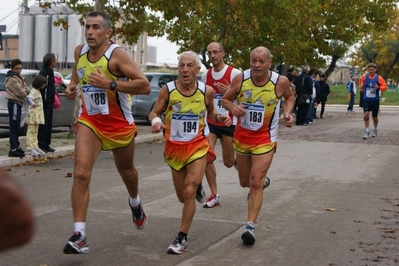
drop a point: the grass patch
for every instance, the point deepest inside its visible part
(63, 135)
(339, 95)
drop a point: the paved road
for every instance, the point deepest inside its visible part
(333, 200)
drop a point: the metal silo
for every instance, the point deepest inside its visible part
(42, 38)
(59, 9)
(35, 9)
(75, 36)
(26, 40)
(59, 41)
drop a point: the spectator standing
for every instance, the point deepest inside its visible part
(324, 92)
(186, 104)
(258, 92)
(35, 115)
(303, 84)
(219, 78)
(315, 93)
(16, 92)
(292, 71)
(373, 84)
(107, 75)
(351, 87)
(48, 94)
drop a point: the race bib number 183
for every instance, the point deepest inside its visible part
(254, 116)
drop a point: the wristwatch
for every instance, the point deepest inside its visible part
(112, 85)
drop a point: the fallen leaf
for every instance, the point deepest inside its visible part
(388, 230)
(332, 209)
(68, 175)
(368, 250)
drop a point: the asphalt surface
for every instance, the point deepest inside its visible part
(333, 200)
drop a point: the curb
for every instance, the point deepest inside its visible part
(64, 151)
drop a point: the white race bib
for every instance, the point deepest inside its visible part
(370, 92)
(217, 102)
(253, 117)
(96, 100)
(184, 127)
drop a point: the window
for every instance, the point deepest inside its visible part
(165, 79)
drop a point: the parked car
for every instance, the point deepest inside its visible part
(142, 104)
(67, 79)
(62, 117)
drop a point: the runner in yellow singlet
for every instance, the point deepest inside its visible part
(186, 104)
(107, 75)
(258, 92)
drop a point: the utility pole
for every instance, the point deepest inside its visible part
(25, 7)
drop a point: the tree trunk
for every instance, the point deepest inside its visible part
(100, 5)
(390, 66)
(332, 65)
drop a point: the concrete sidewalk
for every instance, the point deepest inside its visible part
(62, 145)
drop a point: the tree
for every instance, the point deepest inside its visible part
(381, 46)
(296, 32)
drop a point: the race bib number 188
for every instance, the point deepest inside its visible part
(96, 100)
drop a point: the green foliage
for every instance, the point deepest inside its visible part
(296, 32)
(381, 45)
(339, 95)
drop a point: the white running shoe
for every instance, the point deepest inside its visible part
(40, 151)
(212, 201)
(366, 134)
(32, 152)
(374, 133)
(248, 237)
(200, 194)
(178, 246)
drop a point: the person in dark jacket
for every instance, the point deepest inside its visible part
(45, 130)
(351, 87)
(16, 92)
(315, 94)
(324, 92)
(303, 84)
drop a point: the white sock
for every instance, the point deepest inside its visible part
(134, 201)
(80, 227)
(251, 224)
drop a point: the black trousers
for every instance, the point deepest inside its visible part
(44, 135)
(301, 113)
(14, 115)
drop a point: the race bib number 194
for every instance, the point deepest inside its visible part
(184, 127)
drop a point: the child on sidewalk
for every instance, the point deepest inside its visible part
(35, 116)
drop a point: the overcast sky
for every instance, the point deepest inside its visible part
(166, 51)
